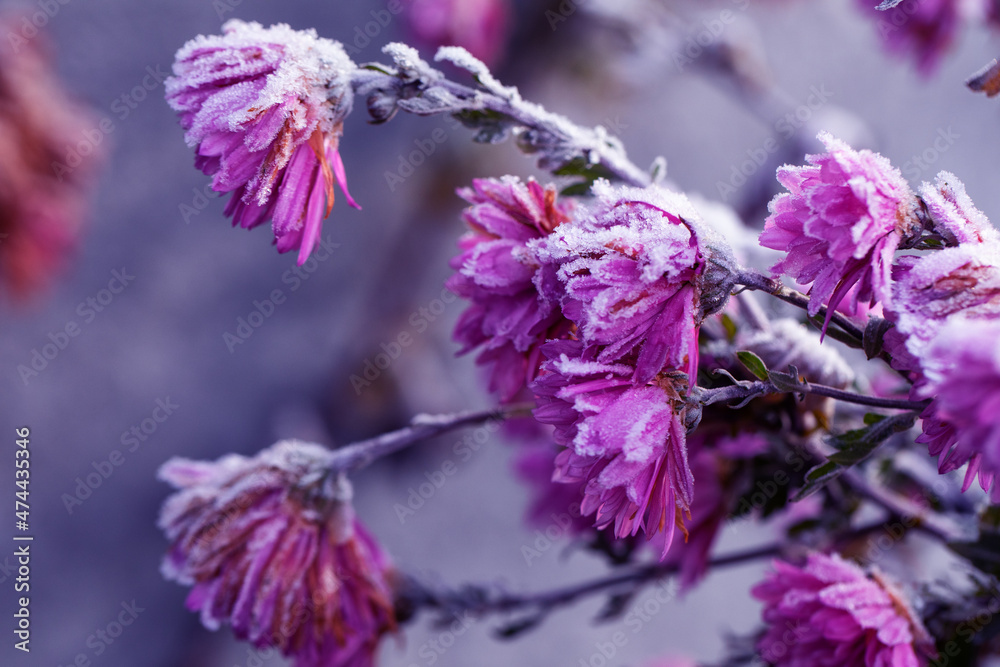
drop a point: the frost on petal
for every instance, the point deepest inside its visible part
(512, 309)
(840, 224)
(264, 109)
(829, 612)
(271, 548)
(627, 444)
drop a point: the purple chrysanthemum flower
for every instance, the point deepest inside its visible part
(625, 442)
(962, 373)
(264, 108)
(829, 613)
(507, 318)
(637, 277)
(271, 546)
(922, 29)
(840, 222)
(954, 215)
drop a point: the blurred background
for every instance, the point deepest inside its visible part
(766, 78)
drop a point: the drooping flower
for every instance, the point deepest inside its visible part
(626, 443)
(48, 160)
(638, 276)
(840, 222)
(962, 371)
(508, 317)
(921, 29)
(270, 545)
(953, 214)
(829, 613)
(264, 108)
(480, 26)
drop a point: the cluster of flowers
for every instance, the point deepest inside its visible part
(841, 222)
(595, 309)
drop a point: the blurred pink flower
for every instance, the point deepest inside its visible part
(921, 29)
(264, 107)
(480, 26)
(508, 317)
(271, 546)
(840, 222)
(829, 613)
(48, 164)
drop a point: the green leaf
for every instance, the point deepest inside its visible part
(854, 447)
(754, 364)
(730, 326)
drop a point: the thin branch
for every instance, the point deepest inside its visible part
(761, 283)
(497, 111)
(480, 602)
(744, 391)
(423, 427)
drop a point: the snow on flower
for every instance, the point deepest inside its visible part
(830, 613)
(953, 214)
(264, 109)
(840, 222)
(638, 277)
(270, 545)
(508, 317)
(625, 442)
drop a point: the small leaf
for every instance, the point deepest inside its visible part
(788, 382)
(754, 364)
(576, 189)
(874, 336)
(730, 326)
(817, 478)
(872, 418)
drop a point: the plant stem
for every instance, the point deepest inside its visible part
(422, 427)
(747, 390)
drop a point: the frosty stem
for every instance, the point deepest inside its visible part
(422, 427)
(744, 391)
(497, 111)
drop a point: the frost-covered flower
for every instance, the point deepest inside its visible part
(271, 546)
(840, 222)
(962, 374)
(480, 26)
(953, 283)
(625, 442)
(638, 276)
(507, 318)
(264, 108)
(921, 29)
(954, 215)
(829, 613)
(47, 164)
